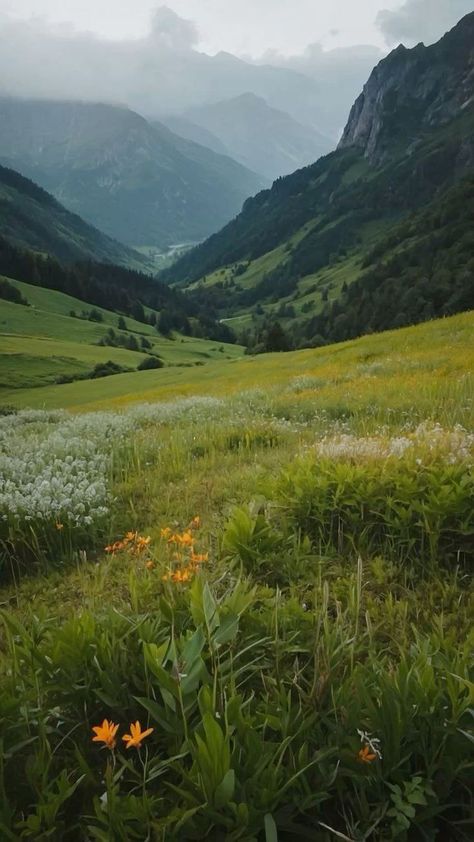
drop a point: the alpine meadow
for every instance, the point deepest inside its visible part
(237, 427)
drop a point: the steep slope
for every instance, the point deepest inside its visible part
(264, 139)
(32, 218)
(136, 182)
(412, 91)
(182, 126)
(297, 247)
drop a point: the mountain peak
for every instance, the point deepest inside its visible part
(412, 90)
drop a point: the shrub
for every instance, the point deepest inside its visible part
(149, 363)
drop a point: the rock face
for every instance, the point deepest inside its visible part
(412, 91)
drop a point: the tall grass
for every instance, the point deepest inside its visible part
(290, 612)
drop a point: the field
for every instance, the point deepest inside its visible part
(263, 565)
(42, 342)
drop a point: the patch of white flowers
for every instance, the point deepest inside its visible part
(427, 441)
(55, 467)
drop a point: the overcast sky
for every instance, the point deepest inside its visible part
(251, 27)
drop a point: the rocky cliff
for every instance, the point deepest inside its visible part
(411, 91)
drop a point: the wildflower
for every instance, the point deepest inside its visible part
(199, 558)
(195, 523)
(59, 526)
(105, 733)
(166, 532)
(131, 536)
(181, 575)
(141, 543)
(150, 565)
(134, 740)
(366, 756)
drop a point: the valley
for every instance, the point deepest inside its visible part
(237, 431)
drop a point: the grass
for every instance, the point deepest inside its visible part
(439, 354)
(310, 675)
(41, 342)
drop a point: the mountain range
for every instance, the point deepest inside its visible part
(138, 183)
(366, 223)
(264, 139)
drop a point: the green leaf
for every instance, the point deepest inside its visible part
(225, 791)
(156, 712)
(271, 833)
(227, 631)
(210, 608)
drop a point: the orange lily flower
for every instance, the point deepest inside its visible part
(199, 558)
(366, 756)
(134, 740)
(105, 733)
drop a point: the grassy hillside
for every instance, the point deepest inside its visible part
(31, 218)
(436, 350)
(43, 341)
(268, 571)
(389, 212)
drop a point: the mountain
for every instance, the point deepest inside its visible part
(412, 91)
(390, 211)
(262, 138)
(139, 183)
(185, 128)
(30, 217)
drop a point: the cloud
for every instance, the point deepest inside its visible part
(421, 20)
(173, 32)
(164, 72)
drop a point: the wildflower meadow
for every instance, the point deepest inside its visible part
(241, 617)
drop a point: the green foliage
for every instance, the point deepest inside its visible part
(150, 363)
(312, 678)
(407, 512)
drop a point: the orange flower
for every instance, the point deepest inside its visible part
(199, 558)
(134, 740)
(150, 565)
(59, 526)
(366, 756)
(195, 523)
(141, 544)
(181, 575)
(166, 532)
(105, 733)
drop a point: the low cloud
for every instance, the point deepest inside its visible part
(164, 72)
(421, 20)
(170, 31)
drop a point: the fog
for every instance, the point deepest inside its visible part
(166, 70)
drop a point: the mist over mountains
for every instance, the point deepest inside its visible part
(164, 73)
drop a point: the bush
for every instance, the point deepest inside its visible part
(149, 363)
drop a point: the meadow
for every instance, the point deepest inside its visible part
(236, 598)
(53, 337)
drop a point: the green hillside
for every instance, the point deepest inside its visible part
(408, 364)
(374, 235)
(54, 337)
(31, 218)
